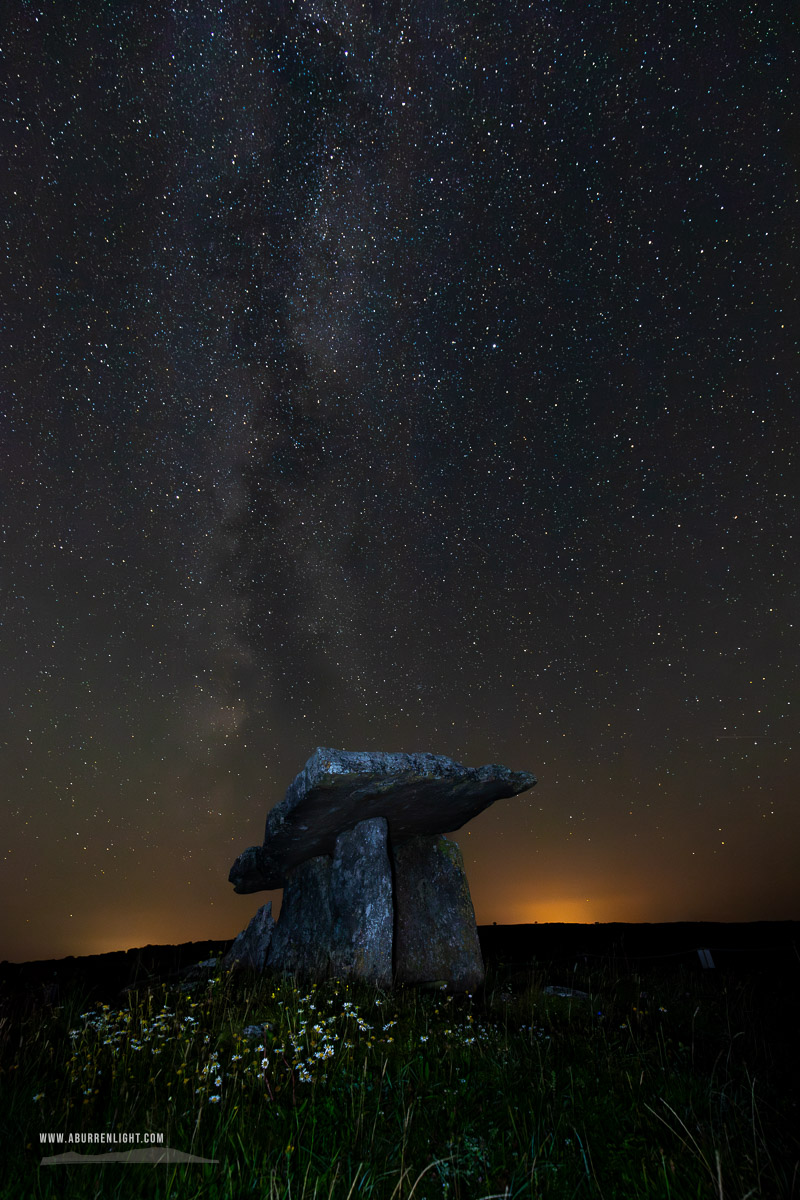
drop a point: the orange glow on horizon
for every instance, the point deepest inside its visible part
(562, 911)
(128, 935)
(571, 910)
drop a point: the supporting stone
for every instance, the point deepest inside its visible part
(337, 915)
(361, 904)
(251, 947)
(301, 941)
(435, 935)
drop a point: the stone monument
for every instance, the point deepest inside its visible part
(372, 888)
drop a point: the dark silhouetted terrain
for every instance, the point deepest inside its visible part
(769, 950)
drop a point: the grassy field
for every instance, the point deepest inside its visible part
(675, 1086)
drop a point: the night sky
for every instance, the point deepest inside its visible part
(415, 375)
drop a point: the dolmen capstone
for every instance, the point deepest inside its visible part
(372, 888)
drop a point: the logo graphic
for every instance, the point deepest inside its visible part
(147, 1154)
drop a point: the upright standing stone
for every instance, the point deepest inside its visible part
(361, 904)
(301, 942)
(251, 947)
(435, 935)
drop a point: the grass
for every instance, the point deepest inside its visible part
(653, 1087)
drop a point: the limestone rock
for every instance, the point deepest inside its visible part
(337, 914)
(247, 872)
(252, 945)
(435, 935)
(301, 940)
(361, 903)
(257, 1033)
(417, 794)
(567, 992)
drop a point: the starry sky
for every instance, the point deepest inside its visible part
(397, 376)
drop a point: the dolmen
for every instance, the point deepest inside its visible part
(372, 890)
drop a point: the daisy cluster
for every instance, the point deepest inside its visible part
(303, 1038)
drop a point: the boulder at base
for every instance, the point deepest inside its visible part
(251, 947)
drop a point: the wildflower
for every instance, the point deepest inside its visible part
(264, 1063)
(214, 1099)
(38, 1096)
(423, 1037)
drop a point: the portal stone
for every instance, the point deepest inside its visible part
(251, 947)
(361, 904)
(435, 935)
(301, 941)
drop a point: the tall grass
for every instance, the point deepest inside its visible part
(648, 1088)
